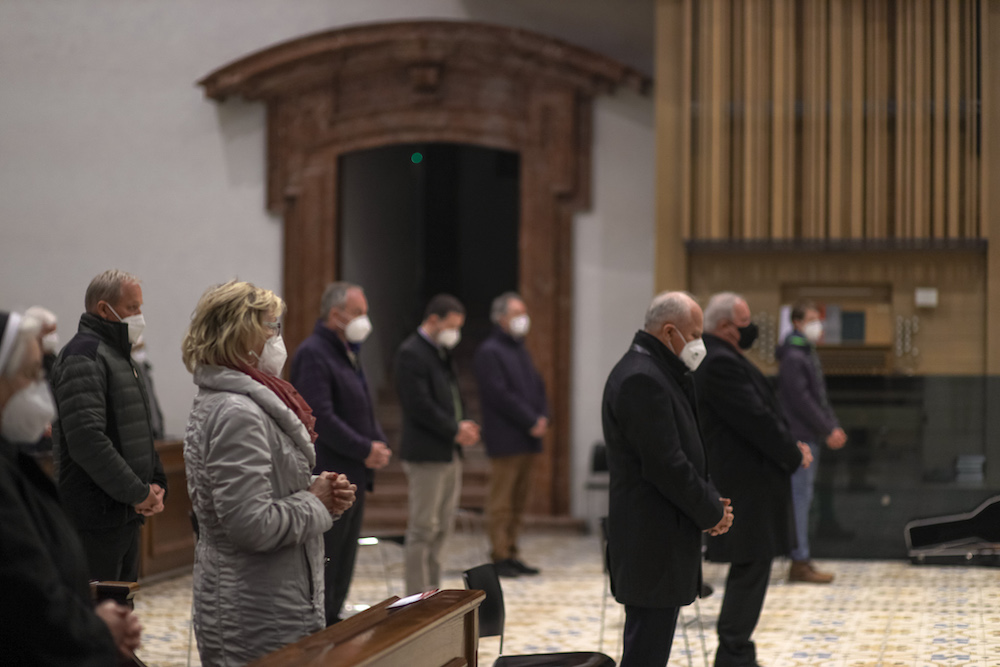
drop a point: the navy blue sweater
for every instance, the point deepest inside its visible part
(336, 390)
(512, 394)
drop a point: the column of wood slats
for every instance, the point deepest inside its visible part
(831, 119)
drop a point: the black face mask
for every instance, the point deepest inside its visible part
(748, 335)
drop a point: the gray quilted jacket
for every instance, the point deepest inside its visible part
(102, 438)
(258, 571)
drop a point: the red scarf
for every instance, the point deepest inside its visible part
(287, 393)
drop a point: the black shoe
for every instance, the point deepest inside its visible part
(522, 568)
(506, 568)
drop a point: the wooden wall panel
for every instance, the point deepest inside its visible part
(826, 120)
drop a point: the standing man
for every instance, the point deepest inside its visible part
(751, 457)
(661, 499)
(327, 372)
(110, 476)
(435, 429)
(515, 419)
(802, 391)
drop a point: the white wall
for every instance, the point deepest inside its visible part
(613, 258)
(111, 157)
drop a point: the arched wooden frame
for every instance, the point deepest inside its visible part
(438, 81)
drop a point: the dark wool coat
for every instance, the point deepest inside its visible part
(802, 390)
(751, 454)
(103, 439)
(660, 496)
(423, 382)
(511, 393)
(48, 615)
(338, 394)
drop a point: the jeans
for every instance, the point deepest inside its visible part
(803, 481)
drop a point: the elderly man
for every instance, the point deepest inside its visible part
(661, 499)
(751, 457)
(802, 391)
(515, 419)
(327, 372)
(435, 428)
(110, 476)
(48, 615)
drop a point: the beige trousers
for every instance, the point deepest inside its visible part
(434, 489)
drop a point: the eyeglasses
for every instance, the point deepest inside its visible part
(274, 325)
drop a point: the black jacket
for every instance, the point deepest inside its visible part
(423, 382)
(660, 497)
(103, 440)
(48, 616)
(512, 395)
(751, 454)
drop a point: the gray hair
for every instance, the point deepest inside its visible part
(673, 307)
(500, 304)
(28, 329)
(107, 287)
(719, 308)
(335, 296)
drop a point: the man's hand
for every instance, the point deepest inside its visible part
(468, 433)
(540, 428)
(126, 631)
(836, 439)
(153, 504)
(807, 455)
(726, 521)
(379, 456)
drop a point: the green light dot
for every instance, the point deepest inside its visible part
(417, 158)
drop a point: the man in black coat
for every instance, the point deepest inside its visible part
(110, 476)
(515, 419)
(752, 456)
(661, 499)
(435, 428)
(327, 371)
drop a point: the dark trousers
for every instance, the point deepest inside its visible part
(113, 555)
(649, 634)
(746, 587)
(341, 545)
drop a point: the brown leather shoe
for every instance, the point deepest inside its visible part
(803, 570)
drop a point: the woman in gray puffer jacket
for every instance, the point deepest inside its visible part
(249, 455)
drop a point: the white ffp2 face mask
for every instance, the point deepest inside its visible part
(136, 325)
(520, 326)
(693, 353)
(449, 338)
(813, 331)
(358, 329)
(27, 414)
(273, 357)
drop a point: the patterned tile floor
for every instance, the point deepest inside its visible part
(876, 613)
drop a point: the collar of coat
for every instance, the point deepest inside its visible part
(114, 334)
(220, 378)
(658, 350)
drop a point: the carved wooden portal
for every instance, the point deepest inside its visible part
(368, 86)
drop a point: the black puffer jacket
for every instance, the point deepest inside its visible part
(103, 440)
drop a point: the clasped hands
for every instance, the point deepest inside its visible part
(153, 504)
(726, 521)
(468, 433)
(335, 492)
(126, 631)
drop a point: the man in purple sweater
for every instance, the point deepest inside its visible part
(802, 393)
(515, 419)
(327, 372)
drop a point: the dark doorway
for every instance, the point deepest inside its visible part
(419, 219)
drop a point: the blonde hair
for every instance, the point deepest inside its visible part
(227, 322)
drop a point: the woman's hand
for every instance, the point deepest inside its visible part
(335, 492)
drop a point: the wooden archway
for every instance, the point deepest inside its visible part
(435, 81)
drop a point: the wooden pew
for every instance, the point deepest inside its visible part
(439, 631)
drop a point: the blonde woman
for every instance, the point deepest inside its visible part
(248, 449)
